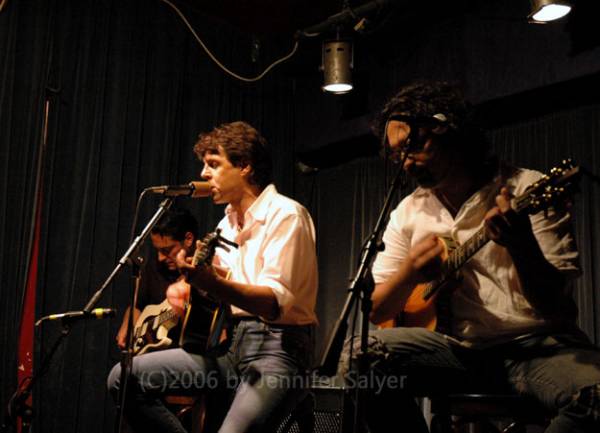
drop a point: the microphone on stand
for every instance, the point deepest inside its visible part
(96, 313)
(194, 189)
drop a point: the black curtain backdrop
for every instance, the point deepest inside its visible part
(130, 90)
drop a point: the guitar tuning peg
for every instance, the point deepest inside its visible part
(222, 240)
(223, 246)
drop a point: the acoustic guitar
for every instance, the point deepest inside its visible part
(160, 327)
(428, 303)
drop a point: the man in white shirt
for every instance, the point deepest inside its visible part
(270, 281)
(511, 318)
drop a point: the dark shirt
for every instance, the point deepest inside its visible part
(155, 279)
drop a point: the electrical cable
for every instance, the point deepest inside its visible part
(219, 64)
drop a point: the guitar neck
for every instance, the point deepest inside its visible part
(463, 253)
(165, 316)
(540, 195)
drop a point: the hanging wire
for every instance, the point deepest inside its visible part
(214, 59)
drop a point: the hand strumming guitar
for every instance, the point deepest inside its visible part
(255, 299)
(423, 264)
(178, 295)
(203, 276)
(424, 260)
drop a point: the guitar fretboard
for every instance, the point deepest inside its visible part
(166, 316)
(458, 257)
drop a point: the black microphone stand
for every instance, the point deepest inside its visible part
(17, 406)
(129, 258)
(361, 289)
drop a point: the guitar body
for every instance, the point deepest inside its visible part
(419, 312)
(203, 324)
(153, 328)
(200, 329)
(159, 327)
(432, 313)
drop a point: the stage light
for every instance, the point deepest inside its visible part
(337, 64)
(543, 11)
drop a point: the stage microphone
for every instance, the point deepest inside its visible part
(96, 313)
(194, 189)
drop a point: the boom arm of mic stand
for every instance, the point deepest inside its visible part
(163, 207)
(362, 280)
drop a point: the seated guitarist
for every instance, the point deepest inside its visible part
(512, 320)
(271, 287)
(176, 230)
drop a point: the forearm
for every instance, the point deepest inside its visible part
(542, 283)
(136, 314)
(256, 300)
(389, 298)
(423, 263)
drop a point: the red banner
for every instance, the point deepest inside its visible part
(26, 332)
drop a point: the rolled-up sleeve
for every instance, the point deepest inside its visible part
(289, 264)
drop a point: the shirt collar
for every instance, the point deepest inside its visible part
(258, 210)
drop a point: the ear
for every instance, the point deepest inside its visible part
(188, 240)
(246, 170)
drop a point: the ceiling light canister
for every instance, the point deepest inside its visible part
(543, 11)
(337, 64)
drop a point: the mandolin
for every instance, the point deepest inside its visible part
(428, 303)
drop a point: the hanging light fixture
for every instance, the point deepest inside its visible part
(543, 11)
(337, 63)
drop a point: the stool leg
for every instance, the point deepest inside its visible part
(441, 424)
(515, 427)
(199, 415)
(305, 414)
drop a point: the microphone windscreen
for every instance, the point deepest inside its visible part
(201, 189)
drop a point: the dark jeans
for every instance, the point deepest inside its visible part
(262, 372)
(561, 371)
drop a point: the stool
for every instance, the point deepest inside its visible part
(452, 412)
(190, 409)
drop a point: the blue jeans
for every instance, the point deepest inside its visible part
(262, 374)
(561, 371)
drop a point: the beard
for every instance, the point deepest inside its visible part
(423, 177)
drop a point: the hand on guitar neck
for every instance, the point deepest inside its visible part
(505, 226)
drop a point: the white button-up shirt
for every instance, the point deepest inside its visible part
(276, 249)
(489, 301)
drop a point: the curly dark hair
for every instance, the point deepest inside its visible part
(423, 99)
(243, 145)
